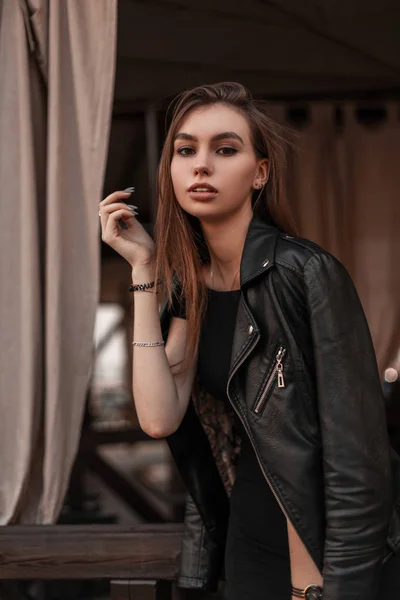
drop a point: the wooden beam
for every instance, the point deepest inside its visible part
(146, 552)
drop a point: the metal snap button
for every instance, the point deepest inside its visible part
(250, 329)
(266, 262)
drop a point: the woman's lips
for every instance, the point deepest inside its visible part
(202, 191)
(203, 195)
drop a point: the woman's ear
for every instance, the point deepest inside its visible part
(262, 173)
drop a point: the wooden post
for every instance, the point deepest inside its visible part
(152, 158)
(129, 589)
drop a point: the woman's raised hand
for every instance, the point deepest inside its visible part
(133, 243)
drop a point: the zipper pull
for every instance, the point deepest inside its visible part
(281, 380)
(279, 367)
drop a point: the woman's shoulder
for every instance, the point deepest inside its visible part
(301, 255)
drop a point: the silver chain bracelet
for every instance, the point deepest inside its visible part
(148, 343)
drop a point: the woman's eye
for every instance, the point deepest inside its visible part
(185, 151)
(227, 151)
(189, 151)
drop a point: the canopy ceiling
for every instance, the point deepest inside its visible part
(276, 47)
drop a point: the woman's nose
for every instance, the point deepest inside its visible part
(202, 167)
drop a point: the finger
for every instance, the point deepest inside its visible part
(116, 206)
(112, 223)
(114, 197)
(105, 211)
(124, 212)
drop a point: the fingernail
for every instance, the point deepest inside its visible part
(132, 210)
(129, 190)
(132, 206)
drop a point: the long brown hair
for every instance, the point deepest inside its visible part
(181, 250)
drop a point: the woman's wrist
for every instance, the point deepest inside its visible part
(143, 273)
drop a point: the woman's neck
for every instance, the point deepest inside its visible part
(225, 241)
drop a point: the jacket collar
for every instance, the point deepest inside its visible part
(259, 249)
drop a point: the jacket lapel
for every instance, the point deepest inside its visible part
(259, 250)
(257, 258)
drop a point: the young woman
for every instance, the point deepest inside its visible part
(260, 373)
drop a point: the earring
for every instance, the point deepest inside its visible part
(258, 185)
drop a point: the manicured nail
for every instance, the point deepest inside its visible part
(129, 190)
(131, 206)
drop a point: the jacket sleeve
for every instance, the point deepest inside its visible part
(355, 446)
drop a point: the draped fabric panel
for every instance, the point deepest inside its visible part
(22, 177)
(315, 185)
(82, 38)
(343, 185)
(371, 159)
(57, 63)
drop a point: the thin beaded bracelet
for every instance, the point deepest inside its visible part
(143, 287)
(148, 343)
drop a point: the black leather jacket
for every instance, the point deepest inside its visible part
(319, 432)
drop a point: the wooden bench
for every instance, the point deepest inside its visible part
(141, 562)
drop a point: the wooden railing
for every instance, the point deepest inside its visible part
(141, 563)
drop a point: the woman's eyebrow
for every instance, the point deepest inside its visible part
(227, 135)
(220, 136)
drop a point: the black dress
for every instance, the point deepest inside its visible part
(257, 564)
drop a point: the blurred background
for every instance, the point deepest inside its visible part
(84, 93)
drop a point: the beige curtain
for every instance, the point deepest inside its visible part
(343, 185)
(57, 62)
(370, 157)
(316, 182)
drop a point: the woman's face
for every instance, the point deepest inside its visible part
(214, 168)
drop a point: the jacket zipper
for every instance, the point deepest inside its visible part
(276, 371)
(238, 364)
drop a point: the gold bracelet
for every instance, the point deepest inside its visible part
(148, 343)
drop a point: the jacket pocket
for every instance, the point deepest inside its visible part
(276, 377)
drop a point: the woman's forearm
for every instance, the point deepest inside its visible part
(154, 389)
